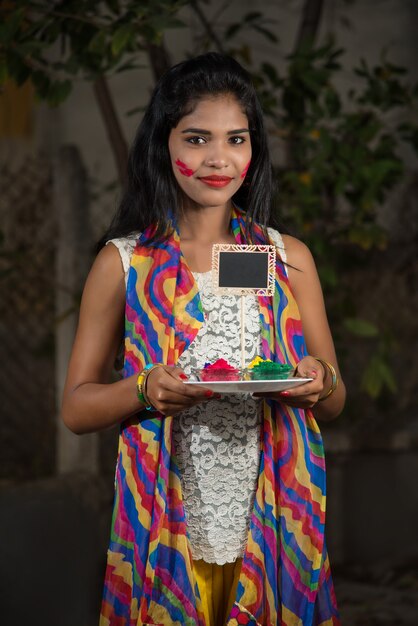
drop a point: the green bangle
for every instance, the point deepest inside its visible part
(334, 378)
(141, 384)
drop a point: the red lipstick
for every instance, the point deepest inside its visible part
(216, 181)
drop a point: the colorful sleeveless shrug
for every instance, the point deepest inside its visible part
(285, 577)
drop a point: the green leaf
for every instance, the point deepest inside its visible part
(17, 69)
(232, 30)
(271, 73)
(97, 44)
(58, 91)
(332, 102)
(395, 69)
(268, 34)
(363, 70)
(41, 82)
(378, 375)
(360, 327)
(244, 52)
(122, 38)
(387, 376)
(381, 170)
(372, 381)
(365, 235)
(253, 15)
(11, 25)
(409, 133)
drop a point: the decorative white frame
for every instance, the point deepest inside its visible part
(242, 291)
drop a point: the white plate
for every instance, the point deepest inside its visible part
(248, 386)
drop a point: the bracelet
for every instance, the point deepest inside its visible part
(334, 378)
(141, 385)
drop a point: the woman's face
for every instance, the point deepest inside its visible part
(210, 151)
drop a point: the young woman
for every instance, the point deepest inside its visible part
(220, 500)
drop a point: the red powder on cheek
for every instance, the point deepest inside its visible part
(246, 168)
(186, 171)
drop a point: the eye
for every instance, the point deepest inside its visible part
(237, 140)
(196, 140)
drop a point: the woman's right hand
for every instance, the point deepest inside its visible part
(166, 391)
(92, 401)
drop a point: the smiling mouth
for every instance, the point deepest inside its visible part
(216, 181)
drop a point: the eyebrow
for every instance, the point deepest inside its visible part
(201, 131)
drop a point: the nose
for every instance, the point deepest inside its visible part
(216, 158)
(217, 163)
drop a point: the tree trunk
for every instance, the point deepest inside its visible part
(308, 30)
(309, 24)
(159, 59)
(113, 127)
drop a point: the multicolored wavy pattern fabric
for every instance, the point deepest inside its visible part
(285, 577)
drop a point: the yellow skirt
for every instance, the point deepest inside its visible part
(217, 586)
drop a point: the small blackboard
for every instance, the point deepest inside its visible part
(243, 269)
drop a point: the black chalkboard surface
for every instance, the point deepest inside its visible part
(243, 269)
(246, 270)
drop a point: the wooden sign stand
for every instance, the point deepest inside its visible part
(243, 270)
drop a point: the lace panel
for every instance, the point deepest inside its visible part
(217, 443)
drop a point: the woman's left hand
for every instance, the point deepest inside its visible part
(304, 396)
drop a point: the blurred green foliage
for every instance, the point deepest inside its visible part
(53, 43)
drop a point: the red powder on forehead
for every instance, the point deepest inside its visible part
(186, 171)
(246, 168)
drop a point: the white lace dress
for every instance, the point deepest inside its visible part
(217, 443)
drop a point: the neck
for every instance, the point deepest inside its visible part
(205, 224)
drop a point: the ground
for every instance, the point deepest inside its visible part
(378, 596)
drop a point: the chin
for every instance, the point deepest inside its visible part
(213, 198)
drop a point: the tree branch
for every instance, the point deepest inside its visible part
(112, 125)
(207, 26)
(77, 18)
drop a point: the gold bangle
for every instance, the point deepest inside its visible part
(141, 385)
(334, 378)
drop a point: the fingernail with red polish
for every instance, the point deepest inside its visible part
(183, 376)
(208, 393)
(284, 393)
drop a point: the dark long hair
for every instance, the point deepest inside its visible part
(152, 193)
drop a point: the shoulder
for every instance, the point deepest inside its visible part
(107, 268)
(301, 269)
(104, 292)
(124, 247)
(298, 254)
(292, 251)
